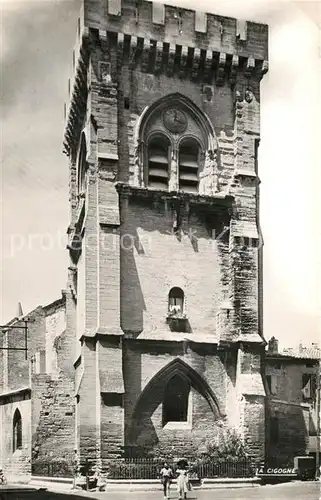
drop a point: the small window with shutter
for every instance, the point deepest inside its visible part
(158, 162)
(176, 301)
(188, 166)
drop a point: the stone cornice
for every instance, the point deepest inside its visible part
(219, 199)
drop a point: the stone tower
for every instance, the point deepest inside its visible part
(162, 133)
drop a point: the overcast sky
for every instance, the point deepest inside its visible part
(37, 41)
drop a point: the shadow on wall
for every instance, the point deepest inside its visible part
(138, 220)
(132, 303)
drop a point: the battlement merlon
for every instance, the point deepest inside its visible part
(218, 43)
(174, 25)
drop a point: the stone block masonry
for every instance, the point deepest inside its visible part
(140, 238)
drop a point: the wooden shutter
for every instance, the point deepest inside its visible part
(188, 166)
(158, 150)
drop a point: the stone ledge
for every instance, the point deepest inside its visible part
(167, 335)
(143, 484)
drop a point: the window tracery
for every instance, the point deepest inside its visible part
(174, 138)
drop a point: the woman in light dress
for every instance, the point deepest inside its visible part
(182, 483)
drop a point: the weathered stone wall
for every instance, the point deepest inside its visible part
(288, 409)
(291, 437)
(252, 396)
(143, 366)
(53, 418)
(53, 402)
(55, 323)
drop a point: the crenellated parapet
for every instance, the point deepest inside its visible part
(159, 39)
(177, 26)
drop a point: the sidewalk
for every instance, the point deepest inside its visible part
(66, 485)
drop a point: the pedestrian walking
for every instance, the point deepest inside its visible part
(182, 483)
(166, 475)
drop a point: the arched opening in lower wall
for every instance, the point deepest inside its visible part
(177, 408)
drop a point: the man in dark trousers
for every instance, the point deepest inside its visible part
(166, 475)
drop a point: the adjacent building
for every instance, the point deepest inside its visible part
(291, 424)
(37, 409)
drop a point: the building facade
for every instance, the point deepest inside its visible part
(37, 409)
(165, 280)
(292, 420)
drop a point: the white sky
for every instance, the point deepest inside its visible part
(37, 42)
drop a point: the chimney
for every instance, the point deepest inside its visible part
(19, 311)
(273, 346)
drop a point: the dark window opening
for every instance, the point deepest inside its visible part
(17, 431)
(126, 102)
(176, 301)
(175, 404)
(307, 389)
(188, 166)
(274, 430)
(82, 165)
(158, 163)
(256, 154)
(112, 399)
(310, 364)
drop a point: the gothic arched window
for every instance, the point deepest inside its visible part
(175, 403)
(175, 141)
(17, 431)
(188, 165)
(176, 301)
(158, 162)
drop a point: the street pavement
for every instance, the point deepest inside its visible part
(296, 490)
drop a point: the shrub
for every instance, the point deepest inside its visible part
(226, 447)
